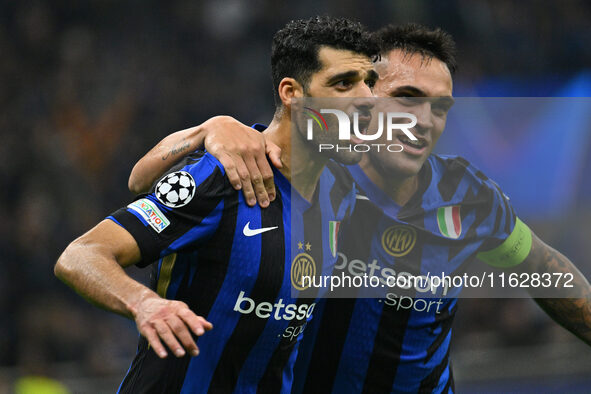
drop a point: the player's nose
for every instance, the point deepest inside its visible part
(363, 91)
(424, 115)
(363, 104)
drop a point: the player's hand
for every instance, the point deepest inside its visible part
(243, 153)
(172, 322)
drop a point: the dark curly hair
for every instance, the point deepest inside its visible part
(294, 52)
(415, 38)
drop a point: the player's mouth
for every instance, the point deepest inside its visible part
(414, 147)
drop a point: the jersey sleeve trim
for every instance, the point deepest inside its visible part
(512, 251)
(146, 243)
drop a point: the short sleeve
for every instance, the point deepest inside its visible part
(181, 212)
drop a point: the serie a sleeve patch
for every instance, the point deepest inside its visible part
(512, 251)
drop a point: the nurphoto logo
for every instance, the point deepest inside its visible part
(356, 130)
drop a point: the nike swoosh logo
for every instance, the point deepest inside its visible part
(251, 232)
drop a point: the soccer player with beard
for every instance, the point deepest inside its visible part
(374, 345)
(219, 258)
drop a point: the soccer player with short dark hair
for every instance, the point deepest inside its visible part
(451, 211)
(219, 258)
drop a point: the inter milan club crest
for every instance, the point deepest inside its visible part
(399, 240)
(303, 268)
(333, 235)
(449, 221)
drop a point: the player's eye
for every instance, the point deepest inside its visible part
(441, 108)
(405, 99)
(344, 84)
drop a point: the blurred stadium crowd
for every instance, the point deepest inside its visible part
(88, 87)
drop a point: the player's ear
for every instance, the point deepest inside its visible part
(288, 89)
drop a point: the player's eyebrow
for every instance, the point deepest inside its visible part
(342, 76)
(412, 91)
(446, 101)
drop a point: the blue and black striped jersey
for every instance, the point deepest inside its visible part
(397, 343)
(231, 264)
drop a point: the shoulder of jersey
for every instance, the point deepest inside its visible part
(191, 172)
(451, 171)
(454, 166)
(200, 164)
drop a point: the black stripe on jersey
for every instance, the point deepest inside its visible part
(213, 262)
(342, 186)
(430, 382)
(267, 286)
(324, 363)
(443, 321)
(386, 351)
(490, 242)
(455, 170)
(412, 212)
(498, 218)
(387, 346)
(508, 209)
(151, 374)
(272, 379)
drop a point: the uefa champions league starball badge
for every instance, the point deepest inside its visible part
(176, 189)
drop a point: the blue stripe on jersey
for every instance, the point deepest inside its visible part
(207, 164)
(200, 232)
(222, 315)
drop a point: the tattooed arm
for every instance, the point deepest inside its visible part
(163, 156)
(570, 307)
(241, 150)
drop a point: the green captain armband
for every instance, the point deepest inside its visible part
(512, 251)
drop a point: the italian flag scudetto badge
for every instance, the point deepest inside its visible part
(449, 221)
(333, 233)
